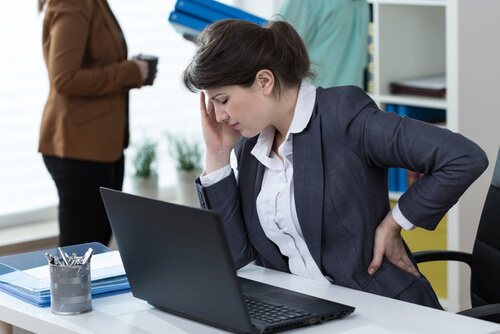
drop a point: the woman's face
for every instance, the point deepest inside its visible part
(246, 110)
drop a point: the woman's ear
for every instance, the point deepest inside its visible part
(265, 81)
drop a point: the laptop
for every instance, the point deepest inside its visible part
(177, 259)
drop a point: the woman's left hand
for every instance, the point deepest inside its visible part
(388, 243)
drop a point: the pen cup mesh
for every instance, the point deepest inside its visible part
(70, 289)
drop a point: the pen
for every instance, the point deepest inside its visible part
(64, 256)
(72, 260)
(50, 258)
(87, 255)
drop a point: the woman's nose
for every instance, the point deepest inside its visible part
(221, 115)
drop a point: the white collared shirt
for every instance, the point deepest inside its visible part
(276, 201)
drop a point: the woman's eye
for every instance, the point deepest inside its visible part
(225, 101)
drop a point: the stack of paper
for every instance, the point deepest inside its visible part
(190, 17)
(27, 276)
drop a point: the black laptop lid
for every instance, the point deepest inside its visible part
(172, 261)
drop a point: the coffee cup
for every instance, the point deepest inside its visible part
(152, 64)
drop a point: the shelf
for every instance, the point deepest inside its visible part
(410, 100)
(417, 38)
(408, 43)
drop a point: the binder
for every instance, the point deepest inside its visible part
(229, 12)
(26, 275)
(402, 179)
(429, 115)
(199, 11)
(187, 25)
(190, 17)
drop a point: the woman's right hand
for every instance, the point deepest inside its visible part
(220, 138)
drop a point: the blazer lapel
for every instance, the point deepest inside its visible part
(115, 29)
(308, 177)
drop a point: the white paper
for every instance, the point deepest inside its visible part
(102, 265)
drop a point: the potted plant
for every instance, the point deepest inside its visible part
(145, 177)
(188, 156)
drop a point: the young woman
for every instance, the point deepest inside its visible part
(311, 195)
(84, 127)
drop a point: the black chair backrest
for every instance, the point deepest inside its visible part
(485, 266)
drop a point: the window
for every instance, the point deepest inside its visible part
(27, 192)
(24, 183)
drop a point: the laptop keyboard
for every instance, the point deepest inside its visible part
(272, 313)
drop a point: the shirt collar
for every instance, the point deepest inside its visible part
(304, 108)
(302, 114)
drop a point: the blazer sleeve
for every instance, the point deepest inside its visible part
(67, 27)
(449, 161)
(223, 198)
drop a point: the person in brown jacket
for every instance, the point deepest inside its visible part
(84, 127)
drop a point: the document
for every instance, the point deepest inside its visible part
(27, 276)
(102, 265)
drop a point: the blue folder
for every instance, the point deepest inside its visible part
(199, 11)
(228, 11)
(402, 179)
(187, 25)
(422, 114)
(16, 280)
(190, 17)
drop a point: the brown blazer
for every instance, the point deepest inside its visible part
(90, 76)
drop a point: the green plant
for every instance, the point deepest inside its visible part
(144, 159)
(187, 153)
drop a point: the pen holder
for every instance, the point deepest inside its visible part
(70, 289)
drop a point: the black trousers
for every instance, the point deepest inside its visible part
(82, 217)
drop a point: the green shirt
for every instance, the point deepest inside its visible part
(335, 33)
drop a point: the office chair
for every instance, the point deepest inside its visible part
(484, 261)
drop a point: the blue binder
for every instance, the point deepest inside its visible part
(190, 17)
(229, 12)
(199, 11)
(16, 280)
(402, 180)
(187, 25)
(422, 114)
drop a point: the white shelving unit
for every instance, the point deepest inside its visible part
(460, 38)
(415, 38)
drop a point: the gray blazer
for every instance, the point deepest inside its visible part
(340, 166)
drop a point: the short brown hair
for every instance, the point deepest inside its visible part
(231, 52)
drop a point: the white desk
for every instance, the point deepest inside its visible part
(126, 314)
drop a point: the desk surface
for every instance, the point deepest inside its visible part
(126, 314)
